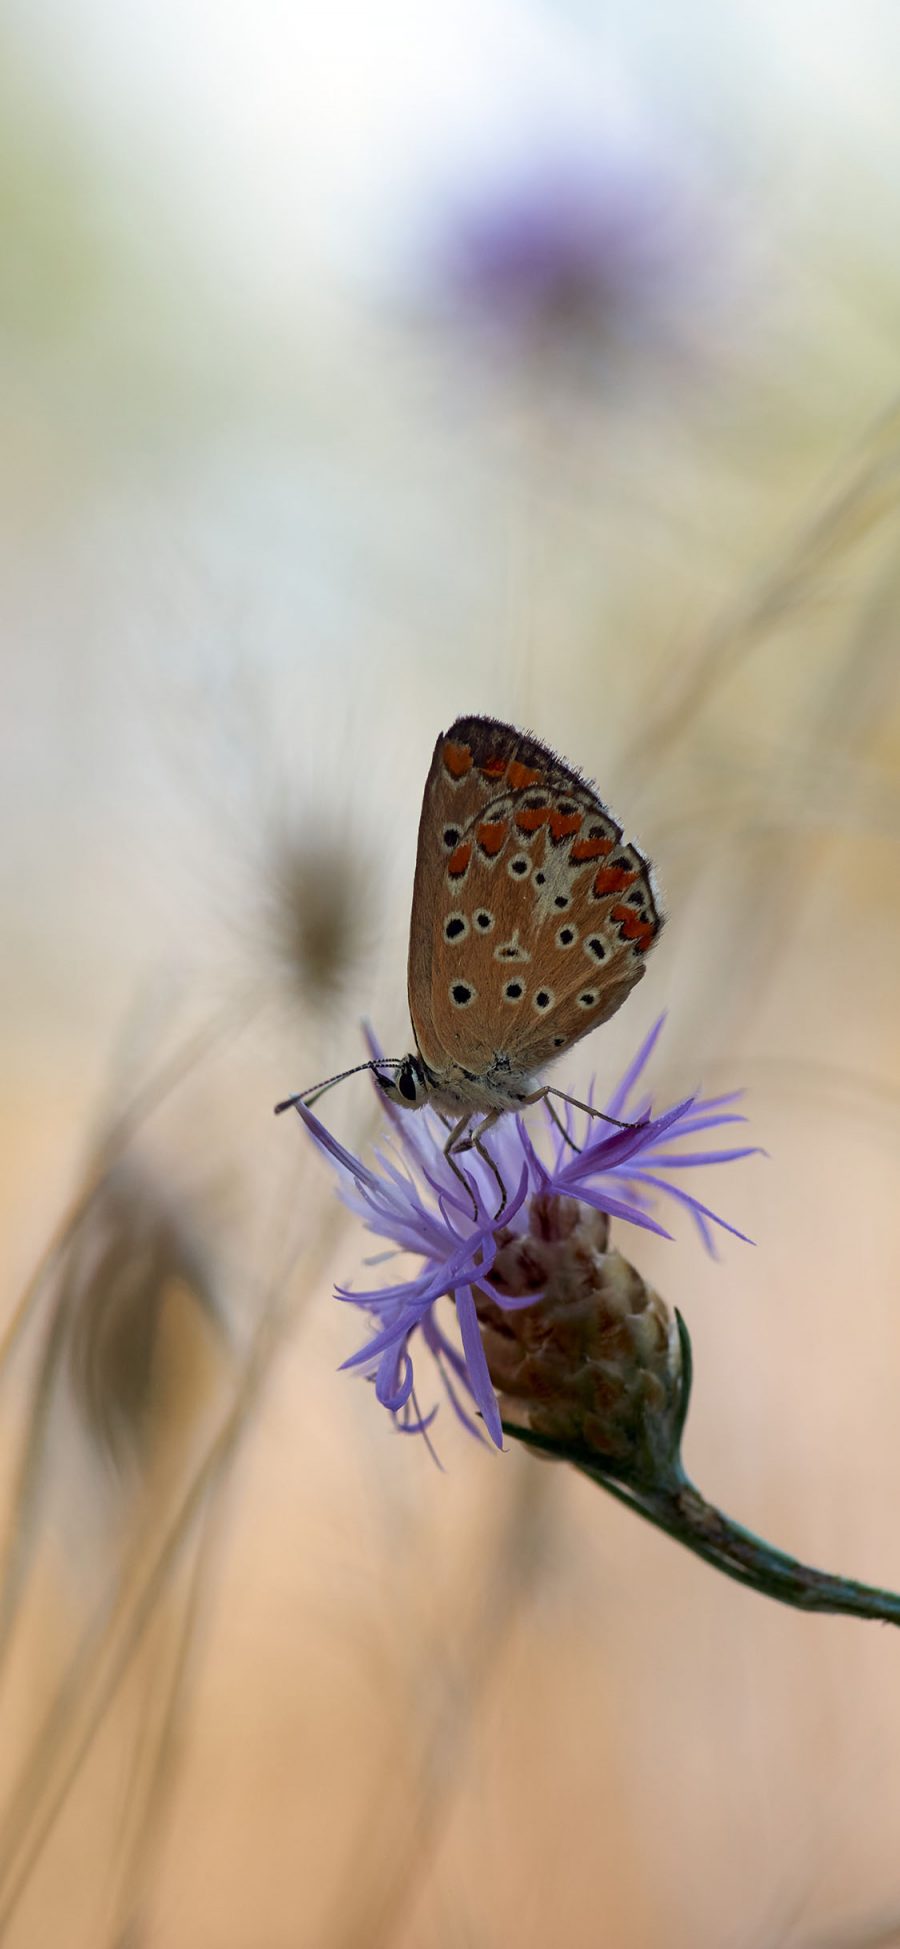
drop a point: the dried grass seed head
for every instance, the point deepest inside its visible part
(135, 1287)
(316, 912)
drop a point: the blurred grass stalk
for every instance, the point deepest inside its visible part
(868, 493)
(118, 1262)
(123, 1616)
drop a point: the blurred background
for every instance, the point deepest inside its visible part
(362, 366)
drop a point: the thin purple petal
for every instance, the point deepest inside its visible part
(446, 1356)
(691, 1204)
(390, 1336)
(394, 1379)
(352, 1165)
(602, 1200)
(610, 1153)
(672, 1162)
(476, 1361)
(635, 1068)
(693, 1125)
(508, 1304)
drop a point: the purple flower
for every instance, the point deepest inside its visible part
(582, 245)
(566, 249)
(412, 1197)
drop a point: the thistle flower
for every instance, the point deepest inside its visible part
(569, 249)
(583, 250)
(487, 1265)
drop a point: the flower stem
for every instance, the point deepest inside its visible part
(679, 1509)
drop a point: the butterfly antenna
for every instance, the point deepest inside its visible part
(312, 1095)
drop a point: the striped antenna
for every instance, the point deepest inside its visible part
(312, 1095)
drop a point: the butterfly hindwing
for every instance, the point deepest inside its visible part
(531, 917)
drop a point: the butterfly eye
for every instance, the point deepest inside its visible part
(461, 994)
(566, 936)
(519, 866)
(562, 900)
(484, 921)
(587, 999)
(456, 927)
(539, 879)
(513, 991)
(594, 945)
(543, 999)
(451, 837)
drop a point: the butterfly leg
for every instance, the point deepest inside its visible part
(450, 1146)
(564, 1133)
(473, 1142)
(544, 1095)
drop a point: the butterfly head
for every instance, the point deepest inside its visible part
(409, 1085)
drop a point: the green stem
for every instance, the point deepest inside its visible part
(676, 1507)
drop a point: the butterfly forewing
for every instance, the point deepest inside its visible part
(532, 916)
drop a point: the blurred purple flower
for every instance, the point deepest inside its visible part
(564, 251)
(584, 248)
(413, 1198)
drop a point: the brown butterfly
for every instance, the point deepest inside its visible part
(531, 921)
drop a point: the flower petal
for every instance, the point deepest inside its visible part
(352, 1165)
(476, 1362)
(610, 1153)
(673, 1162)
(690, 1126)
(636, 1067)
(691, 1204)
(390, 1336)
(394, 1379)
(603, 1200)
(446, 1356)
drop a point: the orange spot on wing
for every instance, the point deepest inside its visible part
(633, 928)
(521, 776)
(459, 860)
(457, 759)
(531, 817)
(491, 835)
(585, 849)
(614, 879)
(493, 768)
(562, 824)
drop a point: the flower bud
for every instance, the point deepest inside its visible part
(596, 1361)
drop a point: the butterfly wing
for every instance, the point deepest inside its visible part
(532, 916)
(456, 795)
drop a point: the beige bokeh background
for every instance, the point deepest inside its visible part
(271, 515)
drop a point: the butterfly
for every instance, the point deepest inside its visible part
(532, 918)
